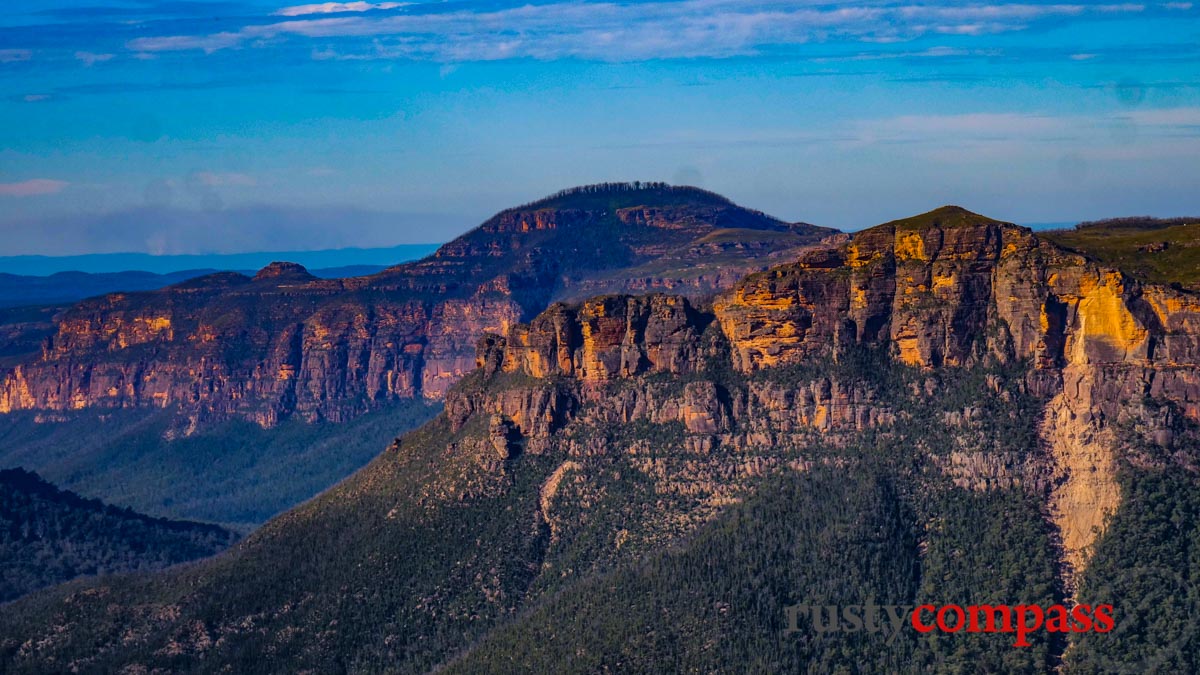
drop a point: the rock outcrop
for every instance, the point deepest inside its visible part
(945, 290)
(936, 356)
(606, 338)
(284, 343)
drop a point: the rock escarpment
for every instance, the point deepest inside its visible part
(950, 288)
(948, 291)
(767, 364)
(992, 380)
(285, 343)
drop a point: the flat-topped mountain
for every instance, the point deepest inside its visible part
(943, 409)
(284, 343)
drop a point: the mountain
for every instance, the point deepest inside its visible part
(943, 409)
(283, 342)
(68, 287)
(23, 330)
(48, 536)
(184, 380)
(166, 265)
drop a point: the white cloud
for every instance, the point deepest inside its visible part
(90, 59)
(15, 55)
(1119, 9)
(175, 43)
(1026, 133)
(997, 125)
(34, 98)
(337, 7)
(621, 32)
(974, 28)
(30, 188)
(931, 53)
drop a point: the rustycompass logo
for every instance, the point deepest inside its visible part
(891, 620)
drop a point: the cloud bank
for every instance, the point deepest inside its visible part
(608, 31)
(31, 188)
(336, 8)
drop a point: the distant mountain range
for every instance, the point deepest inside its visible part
(105, 263)
(45, 280)
(68, 287)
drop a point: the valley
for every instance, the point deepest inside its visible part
(945, 408)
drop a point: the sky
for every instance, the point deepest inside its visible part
(188, 126)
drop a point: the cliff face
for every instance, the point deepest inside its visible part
(952, 288)
(285, 343)
(945, 291)
(992, 378)
(262, 348)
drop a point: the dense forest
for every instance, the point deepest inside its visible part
(234, 473)
(828, 537)
(48, 536)
(1148, 566)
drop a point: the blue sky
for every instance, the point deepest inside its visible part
(210, 126)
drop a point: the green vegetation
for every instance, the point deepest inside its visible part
(235, 473)
(614, 196)
(1158, 251)
(394, 569)
(883, 526)
(1147, 565)
(844, 536)
(944, 217)
(717, 600)
(437, 552)
(48, 536)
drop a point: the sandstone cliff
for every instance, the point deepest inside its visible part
(949, 290)
(945, 291)
(995, 380)
(285, 343)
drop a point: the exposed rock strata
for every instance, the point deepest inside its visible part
(947, 289)
(285, 343)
